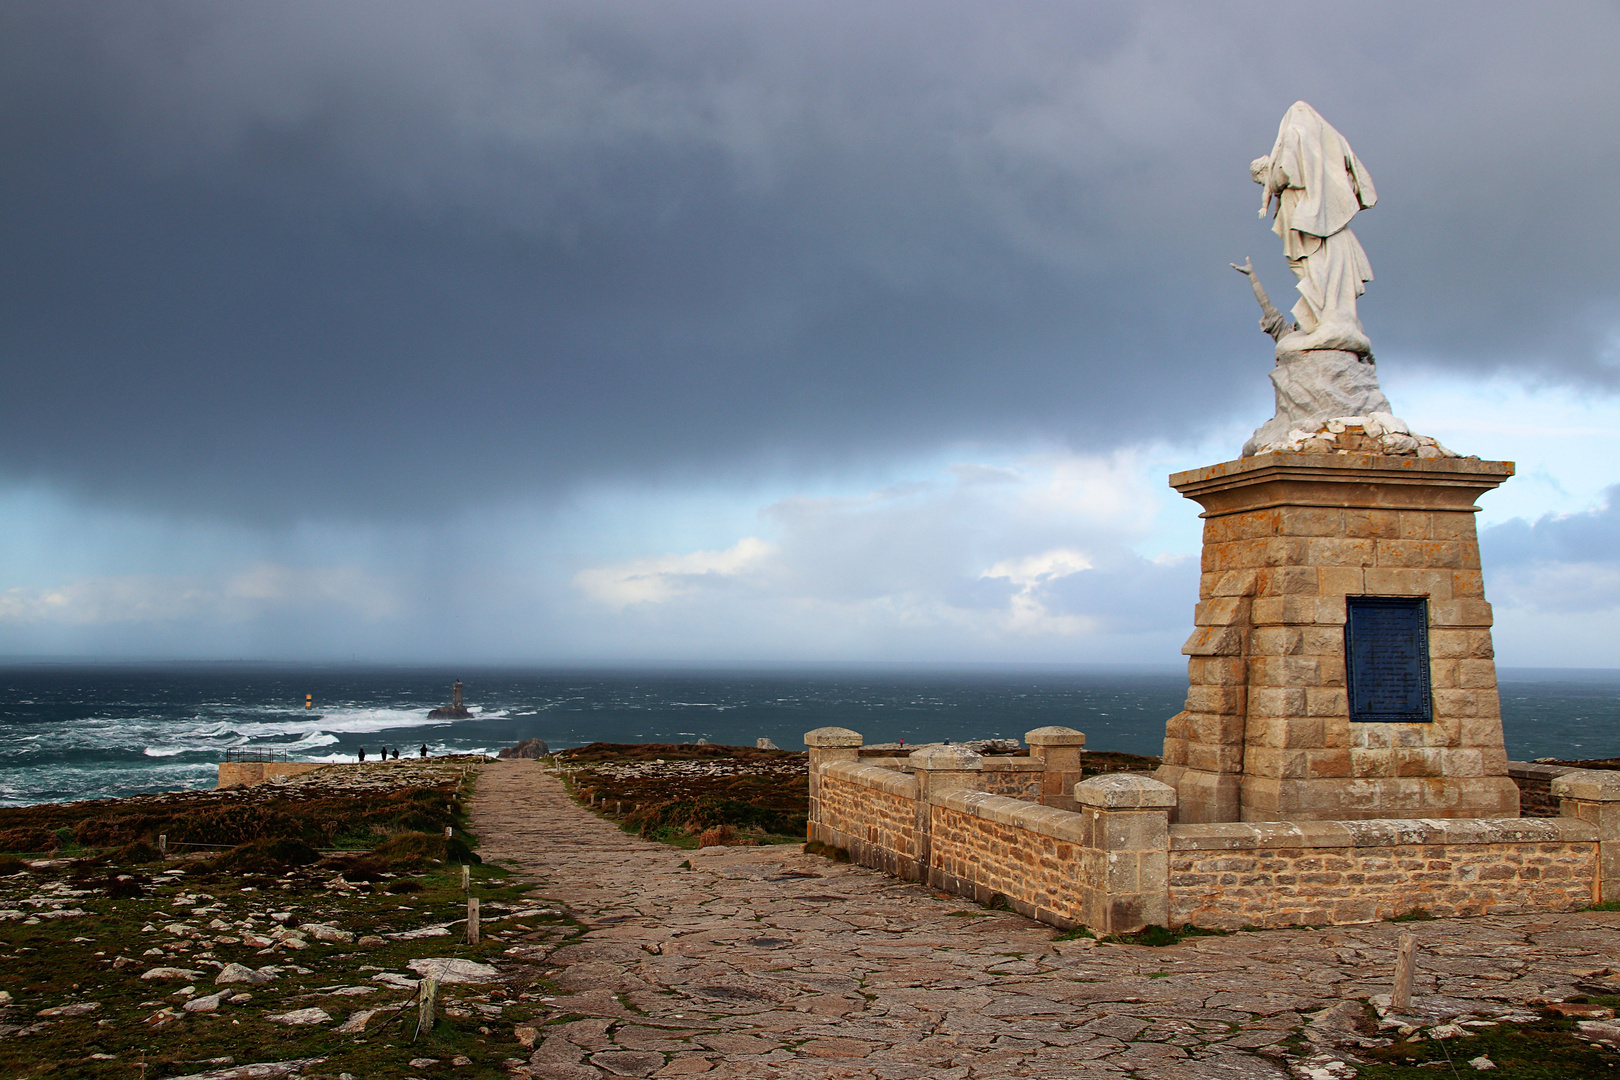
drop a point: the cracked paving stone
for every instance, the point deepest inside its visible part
(766, 962)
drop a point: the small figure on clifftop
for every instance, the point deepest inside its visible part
(362, 753)
(424, 751)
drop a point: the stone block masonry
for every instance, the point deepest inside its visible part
(1320, 873)
(248, 773)
(1267, 732)
(1117, 864)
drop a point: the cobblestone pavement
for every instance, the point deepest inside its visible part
(766, 962)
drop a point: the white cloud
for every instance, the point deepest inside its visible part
(664, 578)
(1033, 570)
(1026, 612)
(154, 598)
(900, 568)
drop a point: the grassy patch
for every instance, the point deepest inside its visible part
(836, 854)
(1415, 915)
(691, 796)
(80, 935)
(1098, 762)
(1157, 937)
(326, 809)
(1544, 1050)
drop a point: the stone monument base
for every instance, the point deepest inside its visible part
(1270, 732)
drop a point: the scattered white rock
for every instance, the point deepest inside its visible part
(172, 973)
(356, 1023)
(451, 970)
(398, 982)
(240, 973)
(270, 1070)
(207, 1003)
(323, 932)
(1482, 1062)
(77, 1008)
(1606, 1032)
(299, 1017)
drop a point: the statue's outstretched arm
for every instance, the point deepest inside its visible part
(1271, 320)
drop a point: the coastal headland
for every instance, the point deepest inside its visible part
(614, 941)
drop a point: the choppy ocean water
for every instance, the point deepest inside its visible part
(93, 732)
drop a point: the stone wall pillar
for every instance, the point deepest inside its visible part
(827, 745)
(939, 769)
(1593, 795)
(1059, 750)
(1126, 826)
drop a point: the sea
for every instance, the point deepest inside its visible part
(88, 732)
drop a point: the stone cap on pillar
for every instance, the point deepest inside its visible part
(1589, 785)
(946, 759)
(1124, 791)
(1055, 736)
(831, 737)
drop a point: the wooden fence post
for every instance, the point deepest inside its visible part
(1400, 995)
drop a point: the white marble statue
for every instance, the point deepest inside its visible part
(1325, 378)
(1314, 185)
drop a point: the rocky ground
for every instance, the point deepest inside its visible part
(687, 794)
(203, 967)
(765, 961)
(605, 954)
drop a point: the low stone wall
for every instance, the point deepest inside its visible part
(247, 773)
(1535, 786)
(872, 812)
(986, 845)
(1019, 778)
(1326, 872)
(1116, 864)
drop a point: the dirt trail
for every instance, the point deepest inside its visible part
(766, 962)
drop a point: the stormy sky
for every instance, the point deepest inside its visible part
(742, 332)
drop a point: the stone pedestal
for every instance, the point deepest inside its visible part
(1267, 733)
(1125, 826)
(827, 745)
(1058, 749)
(1594, 795)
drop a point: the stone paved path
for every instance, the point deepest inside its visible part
(766, 962)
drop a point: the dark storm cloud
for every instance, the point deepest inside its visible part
(272, 259)
(1559, 562)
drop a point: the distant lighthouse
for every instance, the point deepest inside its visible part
(453, 711)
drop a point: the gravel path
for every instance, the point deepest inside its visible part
(766, 962)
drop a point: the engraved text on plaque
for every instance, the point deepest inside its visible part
(1386, 653)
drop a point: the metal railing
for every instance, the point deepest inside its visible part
(255, 755)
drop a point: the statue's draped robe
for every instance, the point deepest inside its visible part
(1320, 185)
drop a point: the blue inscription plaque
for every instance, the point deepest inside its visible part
(1386, 659)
